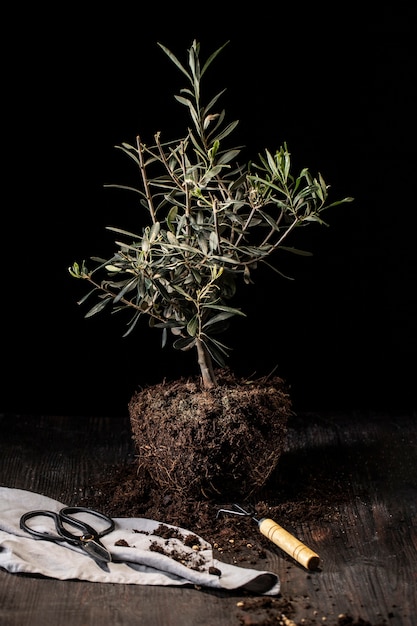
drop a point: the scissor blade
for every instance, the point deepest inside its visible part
(97, 551)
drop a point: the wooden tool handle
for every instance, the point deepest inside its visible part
(290, 544)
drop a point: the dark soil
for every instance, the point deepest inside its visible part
(202, 443)
(234, 538)
(143, 487)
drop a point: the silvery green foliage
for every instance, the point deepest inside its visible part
(211, 222)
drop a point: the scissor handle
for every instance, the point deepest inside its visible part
(67, 512)
(62, 533)
(65, 516)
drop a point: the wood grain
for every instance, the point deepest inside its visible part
(367, 543)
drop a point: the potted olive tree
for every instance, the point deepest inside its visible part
(209, 224)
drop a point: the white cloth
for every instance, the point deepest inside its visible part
(133, 562)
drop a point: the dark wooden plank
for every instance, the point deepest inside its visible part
(41, 602)
(368, 546)
(54, 456)
(367, 540)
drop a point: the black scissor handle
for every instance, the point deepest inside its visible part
(62, 533)
(65, 516)
(67, 512)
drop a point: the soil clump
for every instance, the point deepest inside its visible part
(288, 492)
(199, 443)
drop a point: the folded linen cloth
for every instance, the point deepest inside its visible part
(139, 555)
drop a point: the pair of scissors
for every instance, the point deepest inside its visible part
(88, 540)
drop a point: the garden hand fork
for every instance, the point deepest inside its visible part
(281, 537)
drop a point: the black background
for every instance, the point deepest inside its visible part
(338, 88)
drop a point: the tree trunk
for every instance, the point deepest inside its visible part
(206, 366)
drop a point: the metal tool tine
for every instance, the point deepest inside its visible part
(238, 510)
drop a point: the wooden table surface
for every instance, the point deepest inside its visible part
(368, 545)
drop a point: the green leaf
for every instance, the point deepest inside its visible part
(216, 350)
(154, 232)
(184, 343)
(84, 298)
(175, 60)
(99, 306)
(123, 232)
(213, 241)
(129, 286)
(227, 309)
(182, 291)
(217, 318)
(192, 326)
(229, 129)
(213, 102)
(113, 268)
(296, 251)
(338, 202)
(131, 152)
(172, 238)
(228, 156)
(213, 56)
